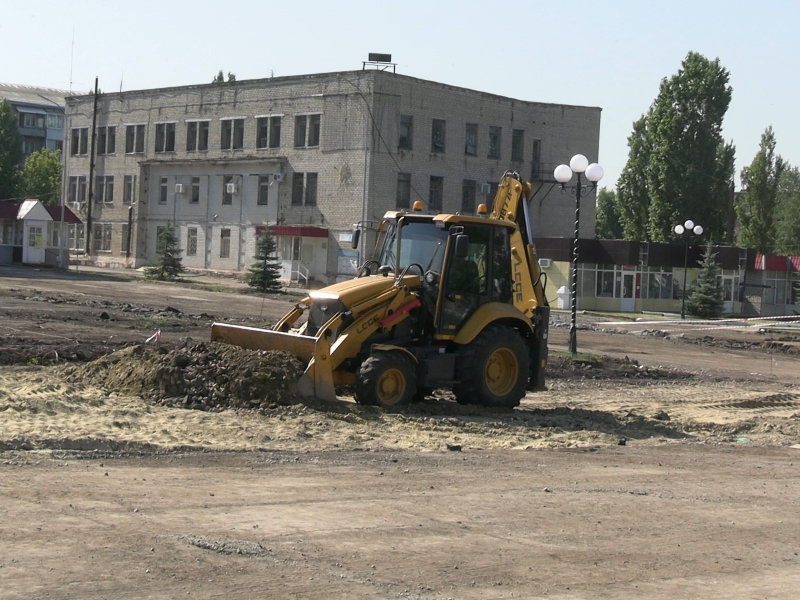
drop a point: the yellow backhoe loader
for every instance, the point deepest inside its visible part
(447, 301)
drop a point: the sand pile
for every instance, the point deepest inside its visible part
(203, 375)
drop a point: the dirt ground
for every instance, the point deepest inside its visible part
(661, 463)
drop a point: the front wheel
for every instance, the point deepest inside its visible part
(386, 379)
(493, 369)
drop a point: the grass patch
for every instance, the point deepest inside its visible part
(579, 357)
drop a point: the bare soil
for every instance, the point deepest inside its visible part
(659, 463)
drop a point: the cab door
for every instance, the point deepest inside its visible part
(484, 275)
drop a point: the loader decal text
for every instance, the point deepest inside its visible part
(369, 323)
(517, 279)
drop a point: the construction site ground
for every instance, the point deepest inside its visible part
(659, 463)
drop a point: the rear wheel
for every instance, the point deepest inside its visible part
(386, 379)
(493, 370)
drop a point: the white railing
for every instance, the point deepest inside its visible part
(300, 272)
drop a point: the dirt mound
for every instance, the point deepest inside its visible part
(608, 368)
(204, 375)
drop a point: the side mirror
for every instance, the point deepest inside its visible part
(354, 241)
(462, 245)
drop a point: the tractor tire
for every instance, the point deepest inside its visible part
(386, 379)
(493, 369)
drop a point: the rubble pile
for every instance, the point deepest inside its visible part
(203, 375)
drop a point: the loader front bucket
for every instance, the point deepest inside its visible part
(314, 352)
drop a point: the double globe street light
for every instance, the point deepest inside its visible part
(686, 231)
(579, 165)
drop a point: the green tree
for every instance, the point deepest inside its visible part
(169, 265)
(787, 213)
(264, 273)
(10, 152)
(220, 78)
(706, 300)
(632, 199)
(679, 166)
(755, 208)
(41, 177)
(607, 226)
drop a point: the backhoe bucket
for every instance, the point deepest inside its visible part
(314, 352)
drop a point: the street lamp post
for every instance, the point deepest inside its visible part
(686, 231)
(578, 164)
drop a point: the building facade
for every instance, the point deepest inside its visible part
(307, 156)
(40, 114)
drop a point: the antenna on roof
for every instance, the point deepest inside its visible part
(121, 75)
(71, 56)
(380, 61)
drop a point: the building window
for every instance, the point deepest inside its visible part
(300, 131)
(468, 190)
(102, 237)
(314, 124)
(165, 137)
(307, 124)
(263, 189)
(134, 139)
(517, 144)
(77, 189)
(55, 121)
(196, 136)
(191, 241)
(195, 196)
(406, 138)
(436, 193)
(127, 189)
(274, 132)
(311, 189)
(297, 189)
(262, 132)
(437, 135)
(104, 191)
(658, 284)
(605, 282)
(494, 141)
(106, 140)
(124, 241)
(75, 237)
(79, 142)
(304, 189)
(471, 140)
(536, 160)
(776, 290)
(403, 196)
(31, 120)
(225, 243)
(232, 134)
(163, 191)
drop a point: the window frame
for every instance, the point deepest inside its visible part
(225, 243)
(231, 128)
(517, 145)
(495, 142)
(135, 134)
(469, 192)
(438, 135)
(471, 131)
(165, 136)
(405, 135)
(436, 203)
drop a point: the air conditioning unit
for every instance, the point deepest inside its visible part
(484, 188)
(545, 263)
(179, 189)
(230, 188)
(277, 177)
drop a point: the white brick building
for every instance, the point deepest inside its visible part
(308, 156)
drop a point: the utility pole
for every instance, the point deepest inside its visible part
(90, 198)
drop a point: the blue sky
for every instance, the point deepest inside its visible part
(611, 54)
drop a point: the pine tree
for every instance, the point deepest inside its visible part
(264, 274)
(169, 265)
(706, 299)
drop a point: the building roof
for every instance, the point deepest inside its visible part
(10, 210)
(35, 96)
